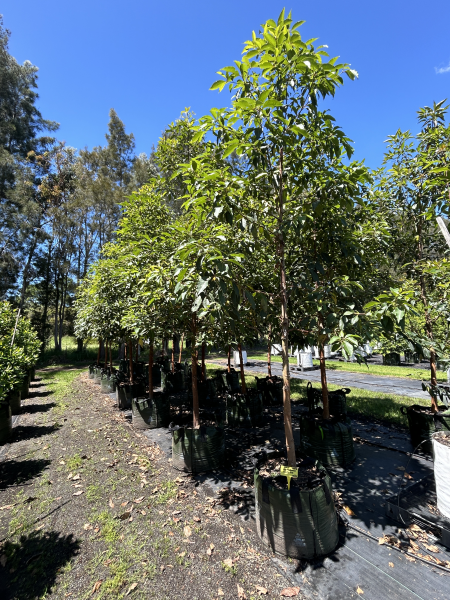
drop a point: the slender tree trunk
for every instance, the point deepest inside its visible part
(241, 365)
(62, 311)
(46, 298)
(165, 347)
(323, 379)
(203, 361)
(106, 354)
(99, 348)
(173, 354)
(110, 355)
(229, 358)
(26, 271)
(195, 405)
(137, 351)
(150, 371)
(55, 321)
(80, 345)
(181, 347)
(290, 447)
(130, 354)
(269, 353)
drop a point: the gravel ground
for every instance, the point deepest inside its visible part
(89, 508)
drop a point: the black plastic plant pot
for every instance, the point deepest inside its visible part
(108, 383)
(151, 414)
(25, 387)
(198, 450)
(14, 399)
(391, 359)
(299, 523)
(232, 382)
(337, 402)
(123, 365)
(330, 441)
(272, 390)
(124, 395)
(5, 423)
(245, 410)
(172, 382)
(33, 373)
(423, 423)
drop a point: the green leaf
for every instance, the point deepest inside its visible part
(218, 85)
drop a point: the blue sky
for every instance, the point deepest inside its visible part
(150, 60)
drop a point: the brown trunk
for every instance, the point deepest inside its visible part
(181, 347)
(173, 353)
(125, 354)
(106, 354)
(323, 379)
(241, 365)
(195, 406)
(269, 355)
(290, 447)
(203, 361)
(130, 354)
(429, 331)
(99, 348)
(229, 358)
(110, 355)
(150, 371)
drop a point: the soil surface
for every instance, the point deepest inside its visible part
(90, 509)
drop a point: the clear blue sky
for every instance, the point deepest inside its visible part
(149, 60)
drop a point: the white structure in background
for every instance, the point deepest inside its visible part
(236, 358)
(448, 375)
(275, 349)
(368, 349)
(304, 359)
(326, 350)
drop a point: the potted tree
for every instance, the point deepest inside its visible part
(275, 125)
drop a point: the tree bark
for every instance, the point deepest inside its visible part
(195, 405)
(269, 353)
(203, 361)
(106, 354)
(80, 345)
(98, 353)
(150, 371)
(241, 365)
(181, 347)
(289, 433)
(110, 355)
(229, 358)
(130, 362)
(323, 379)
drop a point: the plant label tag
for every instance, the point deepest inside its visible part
(289, 472)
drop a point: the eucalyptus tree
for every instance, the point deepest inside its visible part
(275, 122)
(416, 193)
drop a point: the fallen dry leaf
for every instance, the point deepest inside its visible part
(290, 592)
(87, 526)
(187, 531)
(228, 562)
(197, 519)
(400, 468)
(131, 588)
(138, 500)
(111, 503)
(241, 593)
(391, 564)
(96, 587)
(408, 476)
(431, 548)
(349, 511)
(359, 590)
(126, 515)
(77, 493)
(261, 590)
(220, 592)
(124, 503)
(76, 477)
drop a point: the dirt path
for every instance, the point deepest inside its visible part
(88, 509)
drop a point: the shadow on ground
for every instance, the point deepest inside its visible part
(37, 408)
(13, 472)
(37, 394)
(27, 432)
(30, 566)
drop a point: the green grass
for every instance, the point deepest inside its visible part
(383, 370)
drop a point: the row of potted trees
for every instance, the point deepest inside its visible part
(19, 351)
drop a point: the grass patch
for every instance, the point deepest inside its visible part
(93, 493)
(167, 492)
(74, 462)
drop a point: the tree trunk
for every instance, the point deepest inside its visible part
(173, 354)
(203, 361)
(290, 447)
(26, 270)
(229, 358)
(241, 365)
(80, 345)
(110, 356)
(269, 353)
(98, 353)
(130, 354)
(46, 298)
(323, 379)
(181, 347)
(429, 331)
(195, 406)
(106, 354)
(150, 371)
(165, 347)
(176, 344)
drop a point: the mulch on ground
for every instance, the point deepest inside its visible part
(90, 509)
